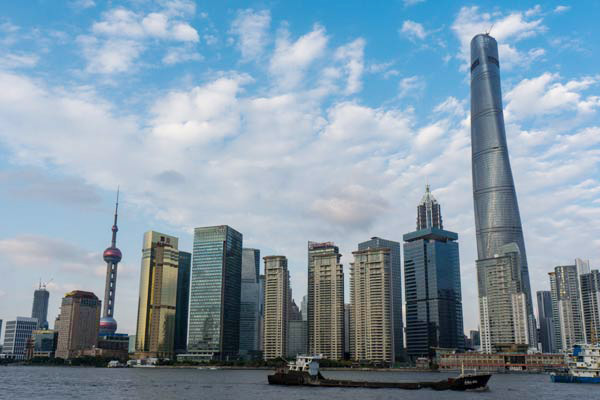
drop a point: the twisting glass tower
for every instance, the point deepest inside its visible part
(497, 218)
(112, 256)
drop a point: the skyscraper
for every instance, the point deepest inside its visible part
(155, 334)
(590, 302)
(497, 218)
(325, 301)
(112, 256)
(275, 325)
(297, 338)
(546, 321)
(16, 335)
(396, 271)
(78, 324)
(566, 307)
(40, 306)
(214, 325)
(304, 308)
(432, 284)
(250, 303)
(183, 301)
(371, 316)
(502, 302)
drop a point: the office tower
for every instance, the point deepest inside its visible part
(40, 306)
(184, 267)
(502, 302)
(261, 310)
(546, 321)
(475, 339)
(131, 344)
(304, 308)
(566, 307)
(214, 325)
(250, 303)
(297, 338)
(294, 313)
(371, 317)
(396, 271)
(590, 304)
(277, 284)
(78, 324)
(16, 335)
(155, 334)
(44, 343)
(325, 301)
(432, 284)
(497, 218)
(112, 255)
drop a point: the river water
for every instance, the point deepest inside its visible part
(165, 384)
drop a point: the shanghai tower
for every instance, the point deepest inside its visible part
(497, 219)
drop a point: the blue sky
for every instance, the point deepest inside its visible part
(290, 121)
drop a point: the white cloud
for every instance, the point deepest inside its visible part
(352, 55)
(291, 59)
(18, 60)
(408, 3)
(176, 55)
(109, 56)
(252, 30)
(413, 86)
(413, 30)
(561, 9)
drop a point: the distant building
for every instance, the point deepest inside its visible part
(44, 343)
(546, 321)
(214, 324)
(294, 313)
(432, 284)
(250, 304)
(371, 317)
(501, 362)
(16, 335)
(475, 339)
(114, 346)
(590, 301)
(79, 323)
(396, 271)
(347, 325)
(183, 301)
(325, 301)
(277, 284)
(297, 338)
(155, 334)
(131, 345)
(566, 307)
(261, 310)
(304, 308)
(502, 302)
(40, 306)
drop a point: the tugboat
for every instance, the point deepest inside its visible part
(305, 372)
(583, 364)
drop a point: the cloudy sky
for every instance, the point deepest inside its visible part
(290, 121)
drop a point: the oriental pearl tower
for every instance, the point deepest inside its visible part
(112, 256)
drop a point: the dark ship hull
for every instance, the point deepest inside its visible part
(298, 378)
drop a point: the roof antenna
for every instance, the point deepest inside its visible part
(489, 30)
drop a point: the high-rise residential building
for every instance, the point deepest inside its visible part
(214, 325)
(396, 271)
(155, 334)
(79, 323)
(39, 309)
(275, 325)
(566, 307)
(497, 218)
(304, 308)
(502, 302)
(590, 304)
(112, 255)
(250, 303)
(297, 338)
(325, 301)
(371, 316)
(16, 335)
(184, 269)
(432, 284)
(546, 321)
(347, 326)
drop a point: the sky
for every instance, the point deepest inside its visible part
(290, 122)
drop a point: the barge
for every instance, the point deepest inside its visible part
(305, 372)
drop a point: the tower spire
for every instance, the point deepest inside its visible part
(115, 229)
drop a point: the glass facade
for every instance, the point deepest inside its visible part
(545, 319)
(155, 336)
(40, 307)
(183, 300)
(250, 303)
(396, 269)
(214, 324)
(433, 292)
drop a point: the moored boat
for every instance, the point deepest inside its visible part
(583, 364)
(305, 372)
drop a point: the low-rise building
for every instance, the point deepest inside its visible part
(501, 362)
(44, 343)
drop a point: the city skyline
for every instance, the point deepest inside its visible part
(57, 203)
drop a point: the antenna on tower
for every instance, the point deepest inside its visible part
(489, 30)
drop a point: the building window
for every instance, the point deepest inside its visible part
(493, 61)
(474, 65)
